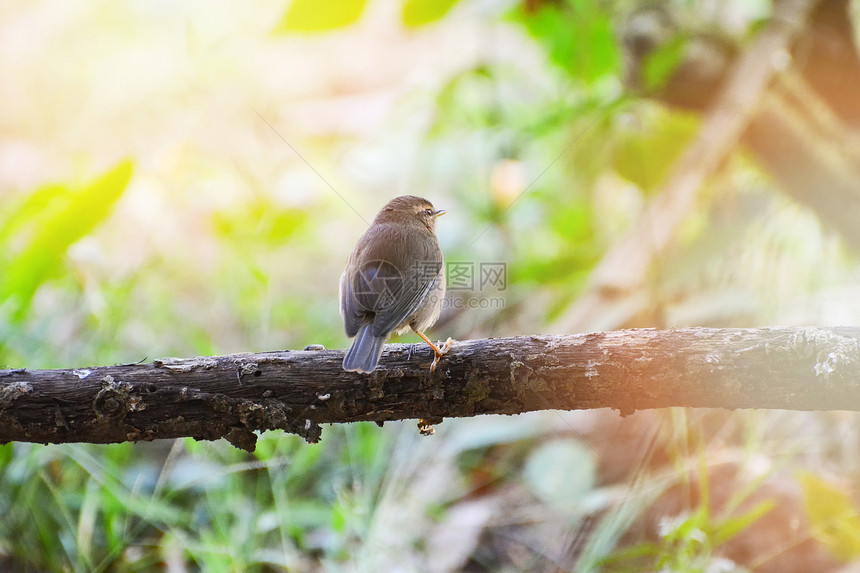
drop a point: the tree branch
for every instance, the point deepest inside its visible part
(233, 396)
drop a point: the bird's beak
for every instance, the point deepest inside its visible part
(439, 213)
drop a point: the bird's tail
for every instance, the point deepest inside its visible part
(363, 355)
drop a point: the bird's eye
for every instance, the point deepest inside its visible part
(428, 212)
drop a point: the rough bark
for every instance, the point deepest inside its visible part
(233, 396)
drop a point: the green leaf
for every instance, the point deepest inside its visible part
(47, 224)
(734, 525)
(320, 15)
(259, 222)
(660, 65)
(6, 454)
(419, 12)
(834, 519)
(35, 205)
(560, 473)
(473, 433)
(578, 36)
(646, 152)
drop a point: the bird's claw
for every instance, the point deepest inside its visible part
(425, 425)
(440, 352)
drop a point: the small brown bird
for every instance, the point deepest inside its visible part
(394, 280)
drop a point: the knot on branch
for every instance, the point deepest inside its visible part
(115, 400)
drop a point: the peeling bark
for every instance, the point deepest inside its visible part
(233, 396)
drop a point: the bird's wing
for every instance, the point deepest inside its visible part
(368, 292)
(409, 291)
(350, 310)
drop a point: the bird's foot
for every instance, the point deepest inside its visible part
(425, 425)
(440, 352)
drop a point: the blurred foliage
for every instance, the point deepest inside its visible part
(692, 541)
(834, 516)
(645, 150)
(660, 65)
(561, 474)
(218, 507)
(543, 161)
(36, 234)
(325, 15)
(311, 16)
(577, 35)
(420, 12)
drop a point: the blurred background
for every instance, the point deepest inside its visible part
(181, 179)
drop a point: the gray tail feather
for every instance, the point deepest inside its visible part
(365, 351)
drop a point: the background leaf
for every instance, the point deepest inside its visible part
(834, 517)
(320, 15)
(561, 473)
(56, 218)
(420, 12)
(578, 36)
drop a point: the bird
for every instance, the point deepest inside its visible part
(394, 280)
